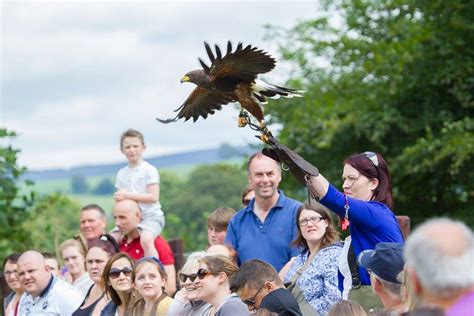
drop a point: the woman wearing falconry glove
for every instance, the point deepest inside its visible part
(364, 206)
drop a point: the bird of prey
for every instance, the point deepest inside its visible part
(231, 78)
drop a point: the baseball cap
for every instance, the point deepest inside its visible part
(386, 260)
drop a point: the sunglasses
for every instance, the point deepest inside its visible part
(115, 273)
(251, 301)
(372, 156)
(201, 274)
(183, 277)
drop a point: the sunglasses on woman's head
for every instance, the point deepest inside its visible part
(183, 277)
(115, 273)
(372, 156)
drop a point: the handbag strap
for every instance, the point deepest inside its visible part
(300, 271)
(351, 260)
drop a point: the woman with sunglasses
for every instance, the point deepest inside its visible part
(315, 269)
(96, 259)
(149, 279)
(117, 280)
(74, 257)
(365, 204)
(213, 286)
(186, 302)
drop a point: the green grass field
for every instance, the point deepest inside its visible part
(47, 187)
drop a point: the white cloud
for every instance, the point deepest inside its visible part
(77, 74)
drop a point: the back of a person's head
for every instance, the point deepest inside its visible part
(346, 308)
(441, 252)
(224, 250)
(253, 274)
(265, 312)
(48, 255)
(220, 218)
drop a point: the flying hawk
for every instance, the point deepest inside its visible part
(231, 78)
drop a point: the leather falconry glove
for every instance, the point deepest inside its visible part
(300, 168)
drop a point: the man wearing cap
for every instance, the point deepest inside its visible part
(384, 264)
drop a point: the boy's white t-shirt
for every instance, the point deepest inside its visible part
(136, 180)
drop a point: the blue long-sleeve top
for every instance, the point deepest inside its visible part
(372, 222)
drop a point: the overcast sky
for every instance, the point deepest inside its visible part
(75, 75)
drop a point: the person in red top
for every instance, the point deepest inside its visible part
(127, 218)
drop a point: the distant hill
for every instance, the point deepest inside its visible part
(205, 156)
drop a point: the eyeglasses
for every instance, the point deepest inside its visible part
(183, 277)
(314, 220)
(372, 156)
(115, 273)
(202, 273)
(8, 273)
(251, 301)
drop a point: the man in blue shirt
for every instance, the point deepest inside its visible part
(266, 227)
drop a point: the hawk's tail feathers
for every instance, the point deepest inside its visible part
(262, 90)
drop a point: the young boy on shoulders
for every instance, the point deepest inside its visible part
(140, 181)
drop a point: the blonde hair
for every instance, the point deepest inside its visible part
(72, 243)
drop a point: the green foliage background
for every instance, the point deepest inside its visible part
(396, 77)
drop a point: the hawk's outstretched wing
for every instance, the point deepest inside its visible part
(201, 102)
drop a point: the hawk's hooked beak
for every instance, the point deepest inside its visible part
(184, 79)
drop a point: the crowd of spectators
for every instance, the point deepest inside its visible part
(276, 256)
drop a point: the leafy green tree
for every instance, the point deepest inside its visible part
(104, 187)
(54, 219)
(79, 184)
(14, 206)
(188, 203)
(394, 77)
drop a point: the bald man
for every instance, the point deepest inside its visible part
(127, 218)
(439, 257)
(44, 293)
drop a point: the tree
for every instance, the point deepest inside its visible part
(104, 187)
(54, 219)
(395, 77)
(188, 203)
(15, 206)
(79, 184)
